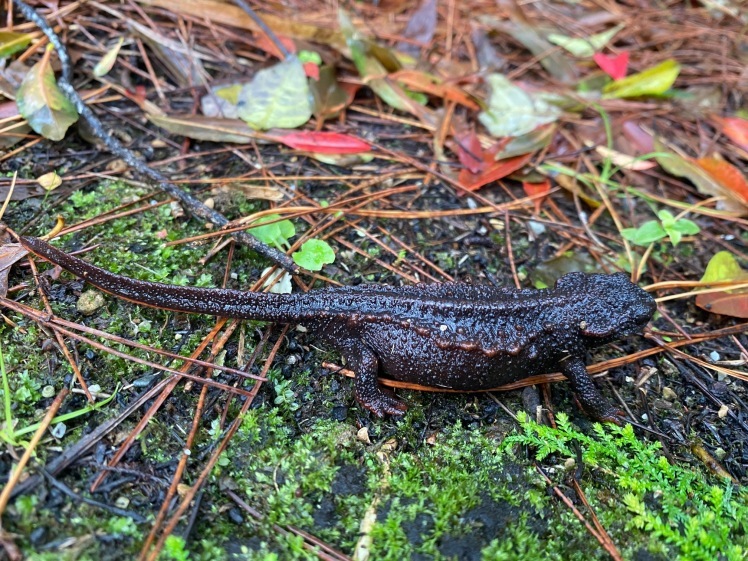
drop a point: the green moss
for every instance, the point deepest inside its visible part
(673, 507)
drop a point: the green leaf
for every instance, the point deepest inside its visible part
(652, 81)
(687, 227)
(276, 97)
(512, 111)
(11, 42)
(372, 70)
(666, 217)
(645, 234)
(584, 47)
(106, 63)
(314, 254)
(723, 267)
(275, 234)
(42, 104)
(674, 235)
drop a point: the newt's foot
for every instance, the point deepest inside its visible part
(383, 403)
(601, 410)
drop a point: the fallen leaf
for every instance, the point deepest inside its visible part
(212, 129)
(624, 161)
(420, 81)
(533, 141)
(470, 152)
(420, 28)
(734, 128)
(329, 96)
(614, 66)
(311, 70)
(640, 140)
(276, 97)
(9, 254)
(106, 63)
(49, 181)
(263, 42)
(512, 111)
(584, 47)
(340, 160)
(321, 142)
(42, 104)
(728, 176)
(12, 42)
(250, 191)
(723, 267)
(652, 81)
(497, 170)
(15, 129)
(704, 181)
(376, 75)
(536, 189)
(552, 59)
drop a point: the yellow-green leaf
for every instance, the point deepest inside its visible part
(106, 63)
(652, 81)
(277, 97)
(584, 47)
(11, 42)
(49, 181)
(42, 104)
(512, 111)
(724, 267)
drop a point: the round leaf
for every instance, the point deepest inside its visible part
(313, 255)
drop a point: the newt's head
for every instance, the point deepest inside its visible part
(609, 306)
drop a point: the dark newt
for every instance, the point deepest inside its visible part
(450, 335)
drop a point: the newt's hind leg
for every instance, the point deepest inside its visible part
(592, 401)
(363, 361)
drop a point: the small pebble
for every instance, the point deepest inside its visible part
(339, 413)
(89, 302)
(235, 515)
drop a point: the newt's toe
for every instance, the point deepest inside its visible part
(385, 404)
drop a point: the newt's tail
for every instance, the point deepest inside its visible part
(284, 308)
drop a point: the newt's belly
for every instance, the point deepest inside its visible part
(429, 360)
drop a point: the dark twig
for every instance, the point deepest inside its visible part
(193, 205)
(75, 496)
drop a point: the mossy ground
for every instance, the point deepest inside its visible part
(455, 479)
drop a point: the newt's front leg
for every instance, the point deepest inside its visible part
(592, 401)
(363, 361)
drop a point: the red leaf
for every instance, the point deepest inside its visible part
(311, 70)
(321, 142)
(470, 152)
(613, 66)
(262, 42)
(533, 189)
(498, 170)
(734, 128)
(733, 304)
